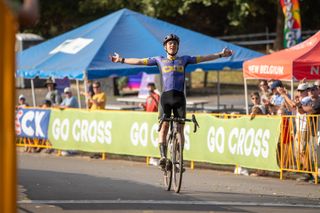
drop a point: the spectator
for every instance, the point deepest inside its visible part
(69, 101)
(53, 94)
(152, 101)
(256, 101)
(301, 102)
(22, 102)
(266, 102)
(276, 98)
(270, 81)
(98, 100)
(46, 104)
(264, 88)
(286, 138)
(90, 92)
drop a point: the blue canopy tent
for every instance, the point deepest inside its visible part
(82, 53)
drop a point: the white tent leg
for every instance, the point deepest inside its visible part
(33, 93)
(78, 92)
(218, 90)
(86, 91)
(246, 96)
(292, 96)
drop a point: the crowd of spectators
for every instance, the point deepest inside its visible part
(274, 99)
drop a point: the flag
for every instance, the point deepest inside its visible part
(292, 26)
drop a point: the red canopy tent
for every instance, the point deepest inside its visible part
(295, 63)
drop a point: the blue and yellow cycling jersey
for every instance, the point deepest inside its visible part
(172, 70)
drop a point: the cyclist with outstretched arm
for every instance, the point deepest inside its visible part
(172, 70)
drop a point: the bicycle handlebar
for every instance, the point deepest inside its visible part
(180, 120)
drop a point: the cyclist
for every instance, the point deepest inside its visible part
(172, 71)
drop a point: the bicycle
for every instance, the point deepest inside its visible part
(174, 166)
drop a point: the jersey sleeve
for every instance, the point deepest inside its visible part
(192, 59)
(150, 61)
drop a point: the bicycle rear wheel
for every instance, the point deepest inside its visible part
(167, 173)
(177, 159)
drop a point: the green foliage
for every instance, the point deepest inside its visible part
(212, 17)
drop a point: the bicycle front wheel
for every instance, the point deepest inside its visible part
(177, 157)
(167, 173)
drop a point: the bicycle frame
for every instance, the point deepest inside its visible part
(174, 169)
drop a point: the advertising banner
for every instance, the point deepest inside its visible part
(292, 25)
(237, 141)
(132, 133)
(32, 123)
(241, 141)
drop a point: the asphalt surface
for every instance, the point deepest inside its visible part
(48, 183)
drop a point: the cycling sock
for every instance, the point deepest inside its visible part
(163, 150)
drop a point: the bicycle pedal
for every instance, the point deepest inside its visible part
(168, 165)
(178, 169)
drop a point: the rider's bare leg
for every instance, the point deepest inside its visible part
(180, 128)
(163, 143)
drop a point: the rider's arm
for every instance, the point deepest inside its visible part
(133, 61)
(224, 53)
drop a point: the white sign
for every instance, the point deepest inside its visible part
(72, 46)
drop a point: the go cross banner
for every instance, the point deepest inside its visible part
(292, 25)
(241, 141)
(237, 141)
(132, 133)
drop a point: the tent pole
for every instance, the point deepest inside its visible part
(85, 82)
(246, 95)
(33, 93)
(292, 96)
(218, 90)
(78, 92)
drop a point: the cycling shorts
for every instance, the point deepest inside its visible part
(172, 101)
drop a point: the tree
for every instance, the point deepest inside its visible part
(211, 17)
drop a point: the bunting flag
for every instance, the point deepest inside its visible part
(292, 26)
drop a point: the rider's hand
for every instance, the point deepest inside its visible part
(115, 58)
(226, 52)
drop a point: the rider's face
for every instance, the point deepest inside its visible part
(172, 47)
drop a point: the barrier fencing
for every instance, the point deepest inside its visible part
(296, 146)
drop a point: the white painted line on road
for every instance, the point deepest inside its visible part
(169, 202)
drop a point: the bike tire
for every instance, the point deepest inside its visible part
(177, 166)
(167, 173)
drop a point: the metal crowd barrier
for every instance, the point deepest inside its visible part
(299, 145)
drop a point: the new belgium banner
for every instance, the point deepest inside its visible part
(292, 25)
(241, 141)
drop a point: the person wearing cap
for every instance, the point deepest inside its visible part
(53, 94)
(172, 69)
(302, 91)
(276, 98)
(152, 100)
(69, 101)
(46, 104)
(22, 102)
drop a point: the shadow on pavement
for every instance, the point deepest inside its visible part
(58, 187)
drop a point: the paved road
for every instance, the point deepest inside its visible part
(77, 184)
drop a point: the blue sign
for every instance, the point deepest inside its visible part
(32, 123)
